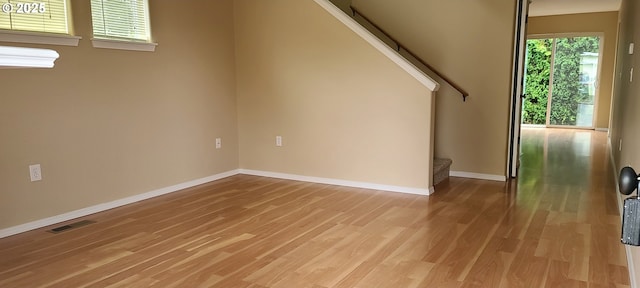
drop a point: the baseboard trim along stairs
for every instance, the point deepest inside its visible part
(339, 182)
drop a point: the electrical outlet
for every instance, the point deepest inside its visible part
(279, 141)
(35, 172)
(218, 143)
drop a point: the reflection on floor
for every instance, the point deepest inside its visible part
(566, 181)
(555, 226)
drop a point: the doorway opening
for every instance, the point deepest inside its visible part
(561, 81)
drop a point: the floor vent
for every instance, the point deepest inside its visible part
(71, 226)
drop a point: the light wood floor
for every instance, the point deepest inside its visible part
(557, 226)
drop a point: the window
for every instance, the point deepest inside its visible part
(37, 16)
(121, 21)
(41, 22)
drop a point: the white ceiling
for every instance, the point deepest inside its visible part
(558, 7)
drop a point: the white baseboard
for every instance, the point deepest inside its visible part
(544, 127)
(630, 263)
(338, 182)
(167, 190)
(490, 177)
(631, 266)
(110, 205)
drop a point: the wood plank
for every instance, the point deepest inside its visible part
(555, 226)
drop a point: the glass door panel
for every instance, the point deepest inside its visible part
(575, 74)
(536, 83)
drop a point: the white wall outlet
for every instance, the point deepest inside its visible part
(218, 143)
(630, 48)
(35, 172)
(279, 141)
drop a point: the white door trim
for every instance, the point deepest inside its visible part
(522, 11)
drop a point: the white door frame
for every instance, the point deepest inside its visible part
(519, 51)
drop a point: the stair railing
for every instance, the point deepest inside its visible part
(399, 47)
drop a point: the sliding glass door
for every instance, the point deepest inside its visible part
(561, 81)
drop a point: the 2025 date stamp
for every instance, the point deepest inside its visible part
(24, 7)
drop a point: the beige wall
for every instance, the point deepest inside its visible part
(344, 110)
(107, 124)
(344, 5)
(625, 114)
(606, 23)
(470, 42)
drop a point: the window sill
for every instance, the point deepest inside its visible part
(38, 38)
(123, 45)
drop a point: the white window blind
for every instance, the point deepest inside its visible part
(49, 16)
(120, 19)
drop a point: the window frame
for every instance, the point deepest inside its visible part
(106, 42)
(39, 37)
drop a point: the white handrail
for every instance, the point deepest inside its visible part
(378, 44)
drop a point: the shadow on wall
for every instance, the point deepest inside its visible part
(344, 5)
